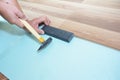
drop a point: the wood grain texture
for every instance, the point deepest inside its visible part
(94, 20)
(3, 77)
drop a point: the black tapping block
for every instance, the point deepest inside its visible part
(58, 33)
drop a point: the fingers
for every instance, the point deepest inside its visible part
(13, 19)
(20, 15)
(18, 23)
(35, 23)
(12, 14)
(39, 30)
(43, 19)
(46, 21)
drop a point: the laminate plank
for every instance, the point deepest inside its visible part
(105, 3)
(98, 16)
(96, 23)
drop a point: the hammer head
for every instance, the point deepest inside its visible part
(44, 44)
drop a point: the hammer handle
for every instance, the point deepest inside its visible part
(32, 30)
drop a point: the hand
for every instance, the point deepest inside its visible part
(11, 13)
(35, 23)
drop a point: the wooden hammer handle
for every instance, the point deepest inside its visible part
(32, 30)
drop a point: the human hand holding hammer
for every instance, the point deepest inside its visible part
(12, 12)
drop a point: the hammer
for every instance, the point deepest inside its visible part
(39, 38)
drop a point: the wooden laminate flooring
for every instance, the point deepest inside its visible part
(94, 20)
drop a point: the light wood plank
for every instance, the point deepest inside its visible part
(105, 3)
(96, 23)
(82, 13)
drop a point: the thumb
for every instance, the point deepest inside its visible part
(19, 23)
(21, 15)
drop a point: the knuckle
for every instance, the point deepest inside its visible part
(44, 17)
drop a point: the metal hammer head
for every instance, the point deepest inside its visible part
(44, 44)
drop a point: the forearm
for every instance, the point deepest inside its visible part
(13, 2)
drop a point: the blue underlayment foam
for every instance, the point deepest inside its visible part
(78, 60)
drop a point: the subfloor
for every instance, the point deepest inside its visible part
(94, 20)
